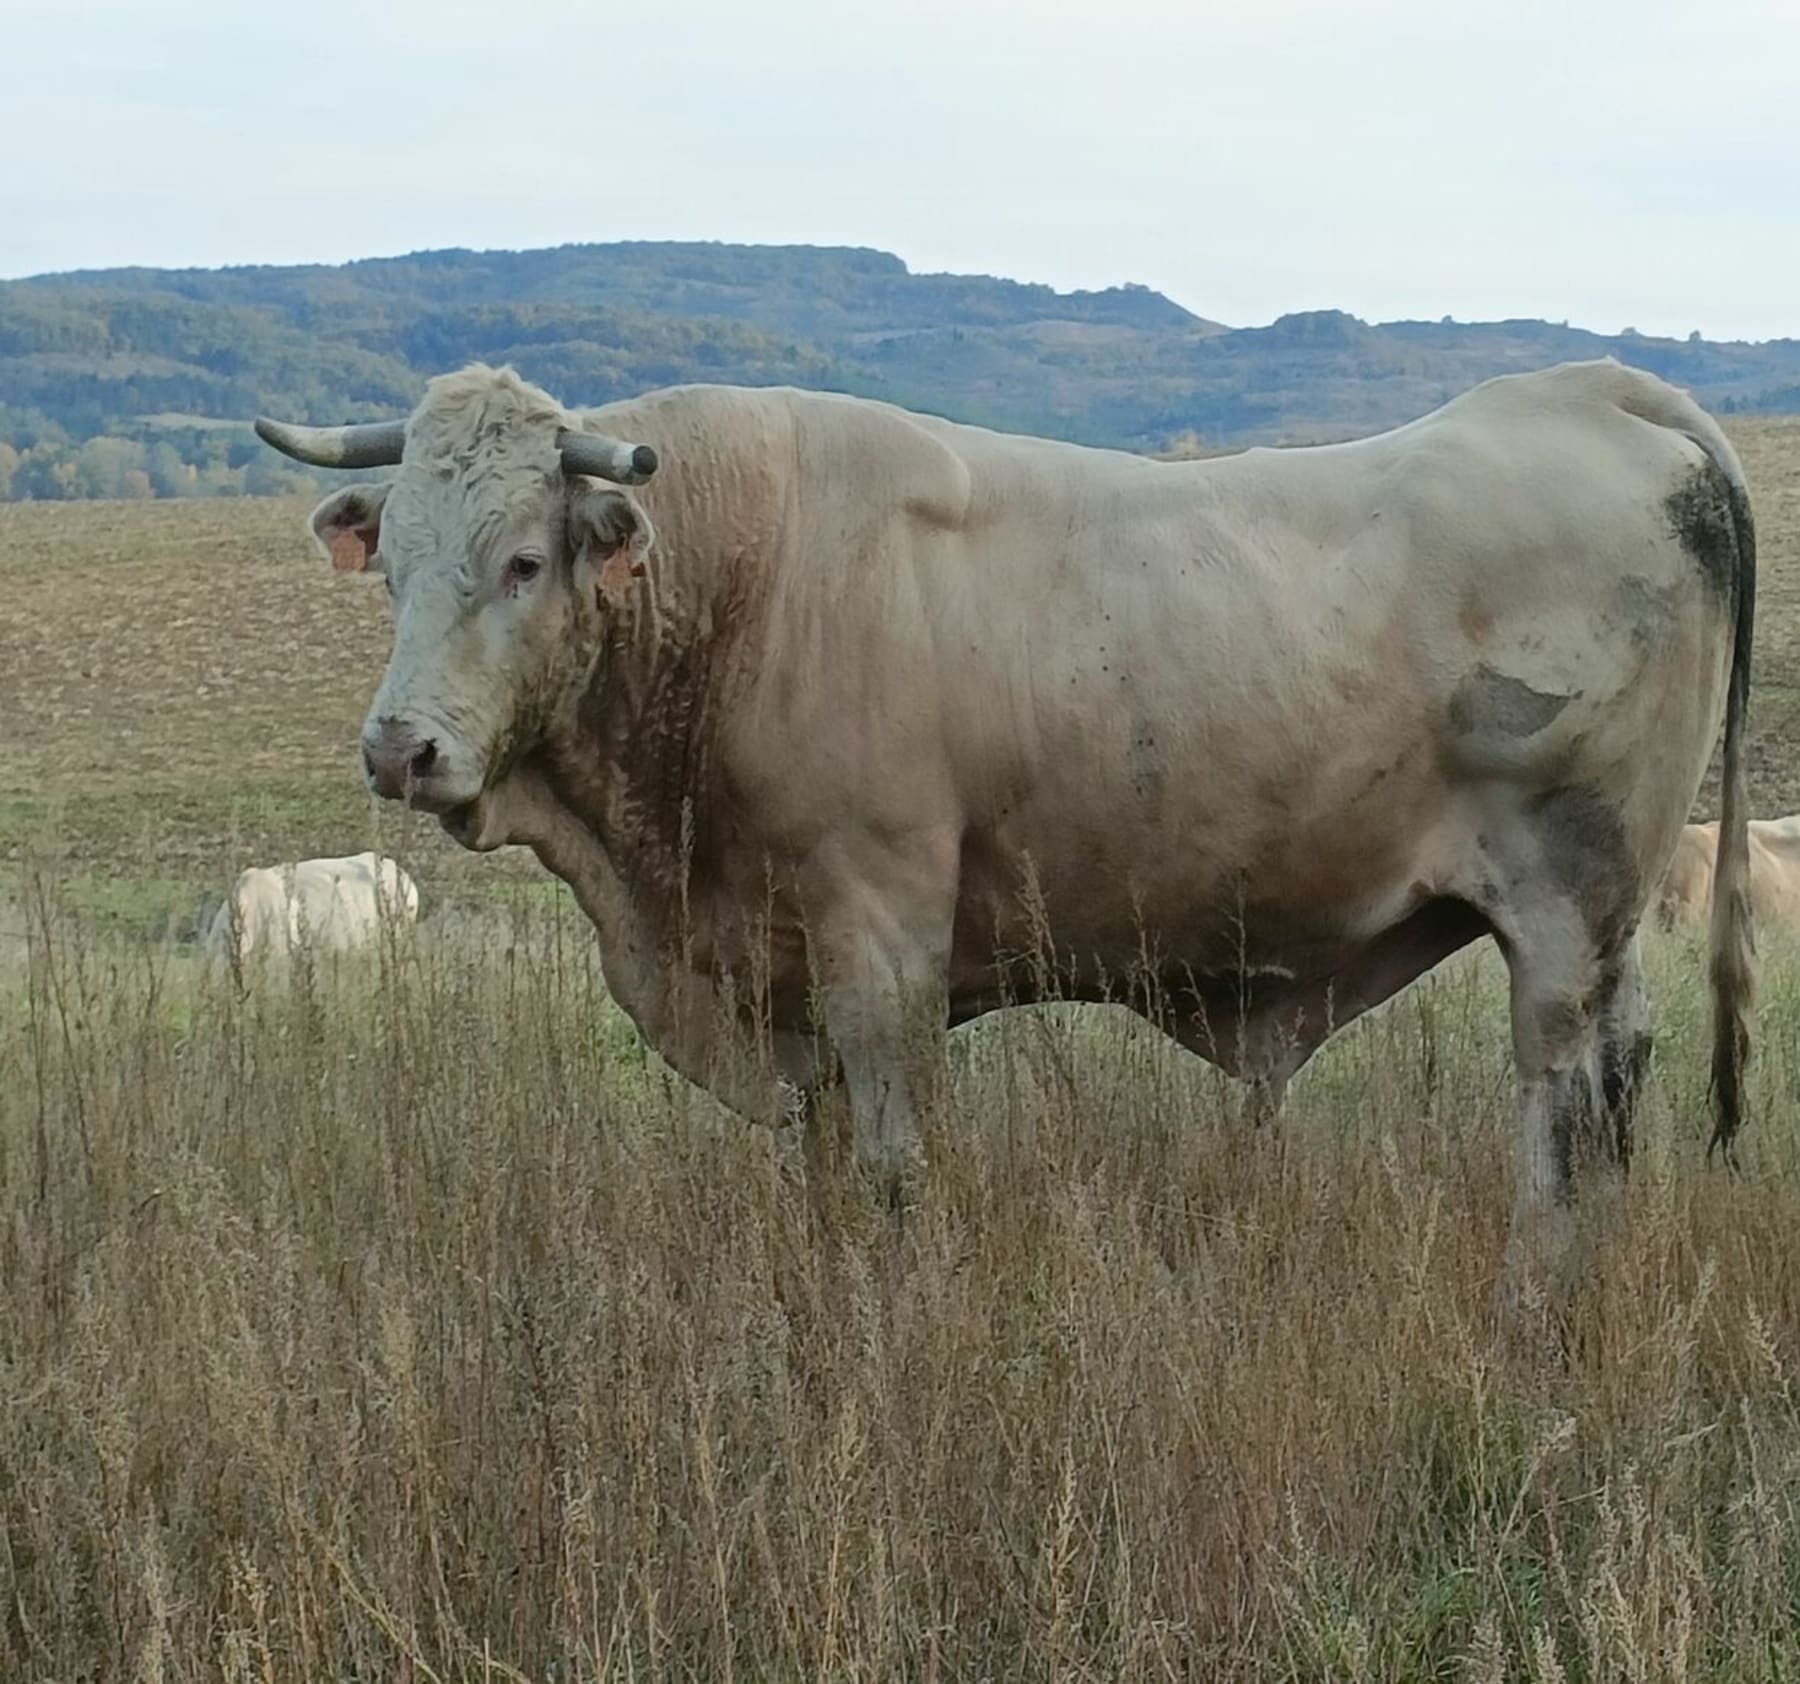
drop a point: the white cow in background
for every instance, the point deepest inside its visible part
(1685, 899)
(329, 905)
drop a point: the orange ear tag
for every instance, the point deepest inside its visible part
(616, 574)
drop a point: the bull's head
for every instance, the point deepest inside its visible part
(500, 555)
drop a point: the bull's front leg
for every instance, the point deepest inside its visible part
(866, 1027)
(882, 939)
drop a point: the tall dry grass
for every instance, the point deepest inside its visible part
(401, 1321)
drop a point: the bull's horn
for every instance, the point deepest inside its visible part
(370, 444)
(604, 458)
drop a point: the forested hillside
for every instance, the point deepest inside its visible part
(141, 382)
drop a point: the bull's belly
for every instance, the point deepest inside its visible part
(1107, 944)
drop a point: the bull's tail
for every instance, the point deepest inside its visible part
(1732, 965)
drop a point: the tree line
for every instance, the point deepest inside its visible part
(137, 383)
(107, 466)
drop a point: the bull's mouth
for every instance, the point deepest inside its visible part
(457, 810)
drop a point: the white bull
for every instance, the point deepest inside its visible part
(1687, 885)
(327, 905)
(858, 696)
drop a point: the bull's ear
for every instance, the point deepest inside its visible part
(347, 527)
(609, 536)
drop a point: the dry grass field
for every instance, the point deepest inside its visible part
(402, 1320)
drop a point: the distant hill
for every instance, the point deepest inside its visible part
(139, 382)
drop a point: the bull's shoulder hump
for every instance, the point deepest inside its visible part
(775, 405)
(789, 433)
(882, 456)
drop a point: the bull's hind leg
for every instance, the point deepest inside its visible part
(1580, 1040)
(1560, 881)
(1625, 1045)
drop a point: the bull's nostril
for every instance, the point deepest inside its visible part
(423, 760)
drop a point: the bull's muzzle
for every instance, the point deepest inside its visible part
(402, 763)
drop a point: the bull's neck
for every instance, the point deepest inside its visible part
(636, 757)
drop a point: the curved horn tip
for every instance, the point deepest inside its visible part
(643, 461)
(303, 444)
(363, 444)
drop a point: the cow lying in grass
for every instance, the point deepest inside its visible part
(326, 905)
(1774, 847)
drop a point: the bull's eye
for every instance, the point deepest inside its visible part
(523, 568)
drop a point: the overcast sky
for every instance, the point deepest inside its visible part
(1614, 164)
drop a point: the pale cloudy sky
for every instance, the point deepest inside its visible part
(1610, 163)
